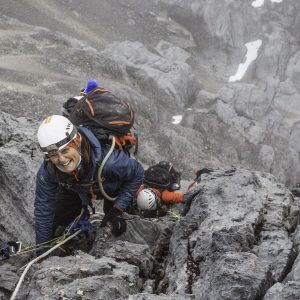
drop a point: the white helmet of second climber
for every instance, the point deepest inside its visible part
(55, 133)
(146, 199)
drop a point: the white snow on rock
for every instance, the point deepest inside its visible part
(251, 55)
(177, 119)
(259, 3)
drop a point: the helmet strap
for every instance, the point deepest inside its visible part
(76, 143)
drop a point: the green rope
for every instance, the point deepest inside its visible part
(174, 215)
(51, 243)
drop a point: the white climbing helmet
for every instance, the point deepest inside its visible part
(55, 133)
(146, 199)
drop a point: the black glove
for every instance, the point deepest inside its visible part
(115, 218)
(9, 248)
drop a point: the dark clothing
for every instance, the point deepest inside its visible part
(107, 205)
(121, 176)
(68, 207)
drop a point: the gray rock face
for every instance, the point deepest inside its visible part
(289, 288)
(245, 118)
(234, 242)
(19, 160)
(168, 58)
(239, 237)
(8, 281)
(85, 277)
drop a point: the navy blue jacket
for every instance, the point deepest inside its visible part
(122, 176)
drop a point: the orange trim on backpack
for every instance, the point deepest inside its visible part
(118, 122)
(130, 139)
(100, 90)
(90, 106)
(117, 140)
(121, 140)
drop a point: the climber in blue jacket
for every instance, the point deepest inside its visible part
(67, 178)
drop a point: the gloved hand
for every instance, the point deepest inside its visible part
(114, 216)
(9, 248)
(83, 223)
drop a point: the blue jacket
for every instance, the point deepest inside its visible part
(122, 176)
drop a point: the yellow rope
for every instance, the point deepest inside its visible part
(174, 215)
(53, 242)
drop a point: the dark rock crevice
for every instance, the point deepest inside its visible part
(192, 269)
(289, 264)
(259, 225)
(159, 267)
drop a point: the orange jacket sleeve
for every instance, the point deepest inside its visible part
(172, 197)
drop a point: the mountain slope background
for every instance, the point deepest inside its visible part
(168, 58)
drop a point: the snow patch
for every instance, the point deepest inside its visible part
(259, 3)
(177, 119)
(251, 55)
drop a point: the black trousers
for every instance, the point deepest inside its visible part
(107, 205)
(68, 207)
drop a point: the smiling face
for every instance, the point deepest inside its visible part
(66, 160)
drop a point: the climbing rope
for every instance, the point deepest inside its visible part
(5, 253)
(174, 215)
(101, 168)
(42, 256)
